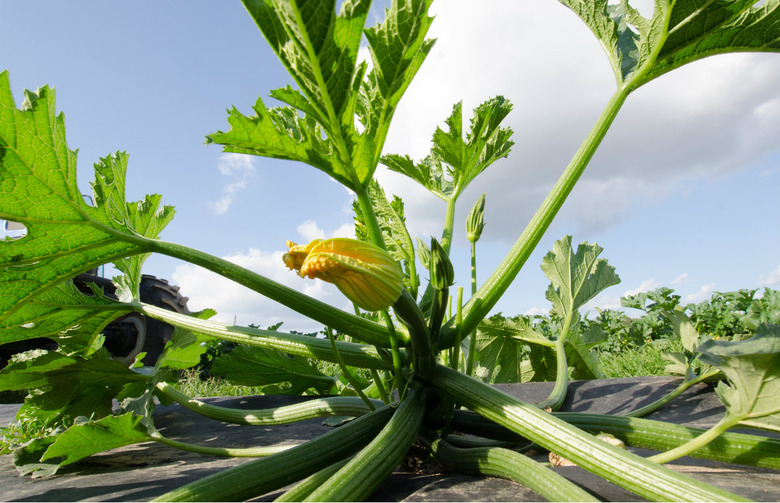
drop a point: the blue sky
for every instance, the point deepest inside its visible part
(683, 191)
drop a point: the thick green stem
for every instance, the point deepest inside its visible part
(696, 442)
(242, 452)
(729, 447)
(505, 463)
(751, 450)
(494, 287)
(449, 224)
(652, 407)
(636, 474)
(455, 360)
(369, 219)
(261, 476)
(410, 315)
(558, 393)
(356, 326)
(322, 407)
(357, 355)
(358, 478)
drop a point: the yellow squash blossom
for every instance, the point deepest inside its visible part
(366, 274)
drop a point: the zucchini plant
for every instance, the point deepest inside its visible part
(402, 333)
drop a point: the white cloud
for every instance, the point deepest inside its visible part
(239, 169)
(682, 278)
(708, 119)
(645, 286)
(772, 279)
(310, 230)
(537, 311)
(704, 293)
(235, 303)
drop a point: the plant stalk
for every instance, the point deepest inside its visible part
(258, 477)
(508, 464)
(356, 355)
(499, 281)
(321, 407)
(636, 474)
(356, 326)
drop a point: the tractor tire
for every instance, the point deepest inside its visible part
(160, 293)
(125, 337)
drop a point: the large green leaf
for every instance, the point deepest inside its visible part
(69, 386)
(500, 354)
(575, 277)
(583, 362)
(398, 48)
(90, 437)
(752, 366)
(319, 49)
(38, 188)
(254, 366)
(455, 161)
(63, 314)
(641, 49)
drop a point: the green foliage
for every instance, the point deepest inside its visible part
(641, 49)
(319, 49)
(575, 277)
(276, 372)
(65, 235)
(454, 161)
(90, 437)
(336, 120)
(752, 367)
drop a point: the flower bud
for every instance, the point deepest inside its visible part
(475, 222)
(442, 273)
(366, 274)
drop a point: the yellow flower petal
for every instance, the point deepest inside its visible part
(364, 273)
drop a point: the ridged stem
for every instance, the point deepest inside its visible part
(356, 326)
(636, 474)
(369, 468)
(356, 355)
(499, 281)
(261, 476)
(311, 409)
(508, 464)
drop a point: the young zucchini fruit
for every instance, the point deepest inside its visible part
(358, 478)
(274, 472)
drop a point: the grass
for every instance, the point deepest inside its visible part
(646, 360)
(192, 385)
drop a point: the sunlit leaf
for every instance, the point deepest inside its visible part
(641, 49)
(577, 277)
(65, 235)
(90, 437)
(752, 366)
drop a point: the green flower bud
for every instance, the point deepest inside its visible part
(442, 273)
(475, 222)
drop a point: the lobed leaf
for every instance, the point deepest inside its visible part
(752, 366)
(454, 160)
(575, 277)
(38, 188)
(641, 49)
(254, 366)
(71, 386)
(90, 437)
(319, 49)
